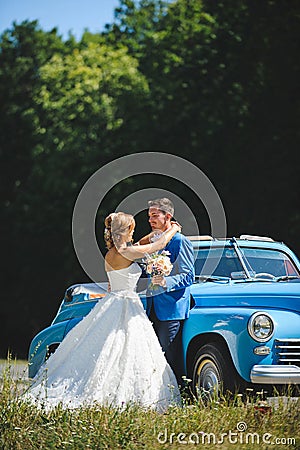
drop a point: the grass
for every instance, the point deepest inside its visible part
(15, 362)
(25, 427)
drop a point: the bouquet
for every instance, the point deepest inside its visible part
(158, 264)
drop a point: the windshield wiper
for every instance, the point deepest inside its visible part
(214, 278)
(287, 277)
(242, 258)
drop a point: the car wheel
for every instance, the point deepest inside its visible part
(212, 372)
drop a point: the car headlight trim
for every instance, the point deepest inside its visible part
(261, 326)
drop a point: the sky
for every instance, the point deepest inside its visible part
(66, 15)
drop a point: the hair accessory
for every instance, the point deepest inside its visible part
(107, 234)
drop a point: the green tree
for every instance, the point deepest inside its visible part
(23, 50)
(223, 80)
(86, 101)
(89, 109)
(258, 43)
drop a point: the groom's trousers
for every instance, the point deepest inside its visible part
(169, 333)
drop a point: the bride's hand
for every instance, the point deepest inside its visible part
(176, 225)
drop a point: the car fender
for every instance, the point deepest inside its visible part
(231, 325)
(54, 334)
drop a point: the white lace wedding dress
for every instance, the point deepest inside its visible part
(111, 357)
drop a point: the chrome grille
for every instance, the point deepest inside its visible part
(287, 351)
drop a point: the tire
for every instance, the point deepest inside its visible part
(213, 372)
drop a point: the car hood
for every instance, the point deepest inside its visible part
(258, 294)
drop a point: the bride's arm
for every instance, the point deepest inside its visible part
(146, 239)
(138, 251)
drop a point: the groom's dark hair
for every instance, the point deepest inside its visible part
(163, 204)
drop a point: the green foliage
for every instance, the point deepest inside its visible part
(86, 99)
(223, 80)
(23, 50)
(135, 22)
(87, 92)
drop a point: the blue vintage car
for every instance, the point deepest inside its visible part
(244, 324)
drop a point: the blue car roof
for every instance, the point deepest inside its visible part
(198, 242)
(250, 242)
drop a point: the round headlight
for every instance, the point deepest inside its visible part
(261, 327)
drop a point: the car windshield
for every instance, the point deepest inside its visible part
(224, 262)
(270, 261)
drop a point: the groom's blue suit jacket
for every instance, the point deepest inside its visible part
(173, 302)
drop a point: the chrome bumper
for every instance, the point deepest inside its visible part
(275, 374)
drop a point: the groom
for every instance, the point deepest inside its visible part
(171, 301)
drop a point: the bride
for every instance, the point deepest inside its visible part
(112, 357)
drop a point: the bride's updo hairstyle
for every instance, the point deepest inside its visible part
(117, 225)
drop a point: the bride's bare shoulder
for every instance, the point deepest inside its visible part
(115, 261)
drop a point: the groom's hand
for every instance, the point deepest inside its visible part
(160, 280)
